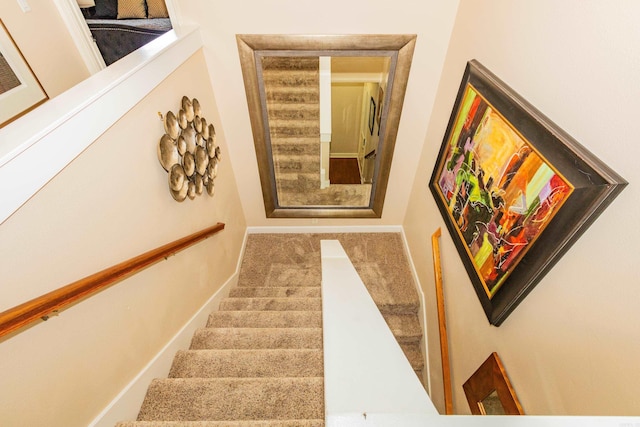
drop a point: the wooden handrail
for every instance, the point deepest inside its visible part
(42, 306)
(442, 324)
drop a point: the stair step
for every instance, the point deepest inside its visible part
(390, 285)
(275, 292)
(247, 363)
(290, 111)
(257, 338)
(290, 63)
(266, 423)
(271, 304)
(294, 123)
(296, 146)
(179, 399)
(398, 308)
(304, 130)
(288, 78)
(265, 319)
(286, 275)
(296, 163)
(299, 182)
(405, 327)
(414, 355)
(292, 95)
(340, 194)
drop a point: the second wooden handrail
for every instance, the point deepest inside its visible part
(42, 306)
(442, 324)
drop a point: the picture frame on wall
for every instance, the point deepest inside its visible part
(20, 90)
(514, 190)
(379, 107)
(489, 391)
(372, 114)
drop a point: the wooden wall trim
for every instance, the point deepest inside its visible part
(442, 324)
(42, 306)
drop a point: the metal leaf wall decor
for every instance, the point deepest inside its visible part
(188, 151)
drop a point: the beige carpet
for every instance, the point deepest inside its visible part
(379, 259)
(293, 91)
(258, 361)
(292, 86)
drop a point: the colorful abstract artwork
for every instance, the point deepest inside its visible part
(515, 191)
(498, 190)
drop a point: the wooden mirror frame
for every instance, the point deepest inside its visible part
(399, 46)
(490, 377)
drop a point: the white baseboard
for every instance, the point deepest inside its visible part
(422, 313)
(343, 156)
(327, 229)
(126, 405)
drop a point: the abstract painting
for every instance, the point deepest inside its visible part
(505, 176)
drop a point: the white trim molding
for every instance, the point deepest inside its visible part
(326, 229)
(422, 314)
(79, 31)
(127, 403)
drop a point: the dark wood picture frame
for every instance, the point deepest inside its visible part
(586, 186)
(379, 107)
(372, 114)
(489, 382)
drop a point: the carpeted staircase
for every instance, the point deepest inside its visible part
(259, 361)
(292, 87)
(293, 107)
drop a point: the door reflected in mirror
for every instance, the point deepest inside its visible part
(324, 113)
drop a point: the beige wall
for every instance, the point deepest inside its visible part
(346, 118)
(220, 21)
(572, 346)
(109, 204)
(45, 43)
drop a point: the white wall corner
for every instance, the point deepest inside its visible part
(79, 31)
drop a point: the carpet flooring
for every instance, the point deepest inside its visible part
(292, 87)
(258, 361)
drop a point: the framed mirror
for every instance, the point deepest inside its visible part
(489, 391)
(310, 96)
(20, 91)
